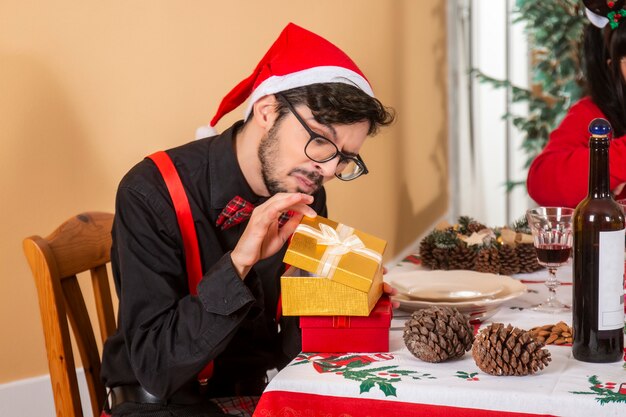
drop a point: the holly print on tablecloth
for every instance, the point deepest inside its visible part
(355, 367)
(421, 375)
(605, 392)
(414, 259)
(467, 375)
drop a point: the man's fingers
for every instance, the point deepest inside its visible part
(295, 201)
(388, 289)
(273, 208)
(290, 227)
(303, 209)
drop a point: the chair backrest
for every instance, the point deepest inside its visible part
(82, 243)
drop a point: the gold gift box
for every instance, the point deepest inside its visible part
(336, 270)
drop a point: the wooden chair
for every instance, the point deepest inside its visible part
(82, 243)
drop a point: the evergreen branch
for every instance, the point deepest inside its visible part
(510, 185)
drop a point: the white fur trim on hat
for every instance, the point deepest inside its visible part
(324, 74)
(596, 19)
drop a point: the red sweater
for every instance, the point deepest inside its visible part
(558, 176)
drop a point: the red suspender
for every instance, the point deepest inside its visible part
(183, 215)
(187, 229)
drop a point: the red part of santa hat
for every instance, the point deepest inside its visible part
(297, 58)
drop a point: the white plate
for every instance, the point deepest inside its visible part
(440, 285)
(477, 308)
(474, 312)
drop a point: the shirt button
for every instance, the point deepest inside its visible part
(225, 301)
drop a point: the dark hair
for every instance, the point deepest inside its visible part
(337, 103)
(603, 50)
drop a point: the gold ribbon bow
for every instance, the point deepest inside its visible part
(338, 242)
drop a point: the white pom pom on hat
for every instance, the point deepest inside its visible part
(297, 58)
(205, 132)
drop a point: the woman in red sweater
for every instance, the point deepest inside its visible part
(558, 175)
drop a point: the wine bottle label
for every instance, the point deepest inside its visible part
(611, 281)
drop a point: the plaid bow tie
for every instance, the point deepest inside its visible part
(239, 210)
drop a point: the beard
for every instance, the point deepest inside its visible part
(269, 154)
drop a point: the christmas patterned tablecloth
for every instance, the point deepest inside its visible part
(397, 384)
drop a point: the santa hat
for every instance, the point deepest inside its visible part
(297, 58)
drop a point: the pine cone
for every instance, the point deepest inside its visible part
(426, 253)
(499, 350)
(467, 225)
(440, 258)
(487, 260)
(435, 248)
(445, 239)
(437, 334)
(461, 257)
(475, 227)
(527, 257)
(509, 263)
(557, 334)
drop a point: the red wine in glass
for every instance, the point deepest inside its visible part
(553, 254)
(552, 234)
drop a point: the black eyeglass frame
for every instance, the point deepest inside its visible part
(342, 156)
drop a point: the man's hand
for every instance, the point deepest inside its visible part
(262, 237)
(389, 290)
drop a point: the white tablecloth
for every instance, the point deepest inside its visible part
(396, 383)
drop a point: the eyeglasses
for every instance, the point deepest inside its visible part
(320, 149)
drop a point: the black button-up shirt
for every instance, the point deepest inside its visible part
(166, 336)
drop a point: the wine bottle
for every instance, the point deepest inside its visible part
(598, 308)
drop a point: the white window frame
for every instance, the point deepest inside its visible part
(485, 150)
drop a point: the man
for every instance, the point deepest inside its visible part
(310, 111)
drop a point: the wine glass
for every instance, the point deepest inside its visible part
(551, 228)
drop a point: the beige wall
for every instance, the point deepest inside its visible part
(88, 88)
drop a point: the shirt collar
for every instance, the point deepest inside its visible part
(225, 176)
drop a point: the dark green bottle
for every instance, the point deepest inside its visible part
(598, 308)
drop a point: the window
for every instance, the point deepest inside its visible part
(484, 148)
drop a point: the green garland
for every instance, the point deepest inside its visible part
(449, 238)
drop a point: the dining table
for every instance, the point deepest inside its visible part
(397, 384)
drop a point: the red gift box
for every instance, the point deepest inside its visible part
(348, 333)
